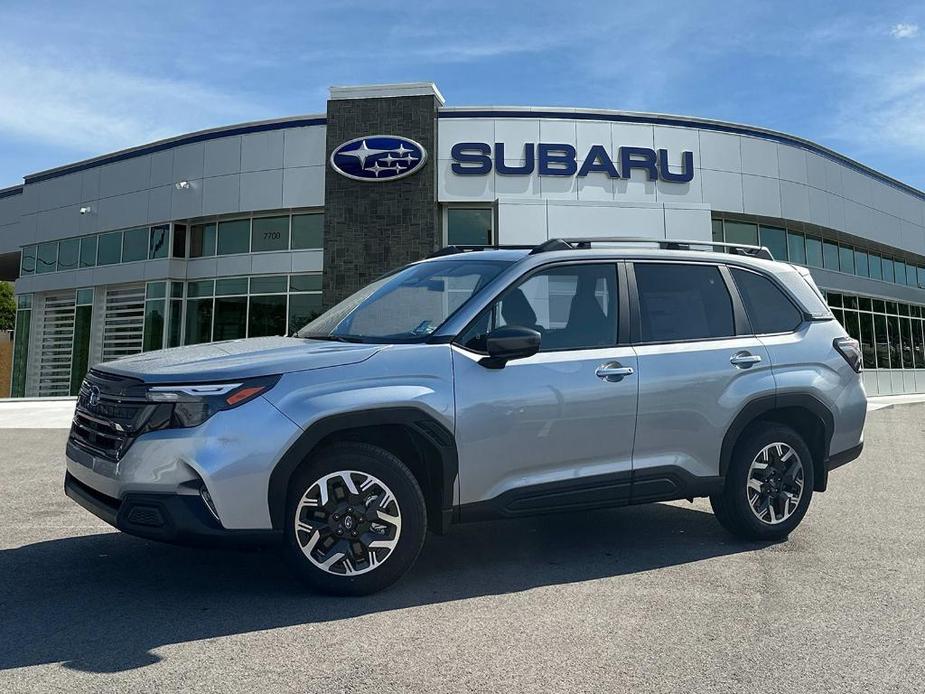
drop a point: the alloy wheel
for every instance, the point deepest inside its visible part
(775, 483)
(348, 523)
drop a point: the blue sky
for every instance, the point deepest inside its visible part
(81, 79)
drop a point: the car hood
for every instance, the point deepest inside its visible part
(236, 359)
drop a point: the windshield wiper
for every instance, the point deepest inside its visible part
(334, 338)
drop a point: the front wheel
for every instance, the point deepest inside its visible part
(768, 486)
(355, 520)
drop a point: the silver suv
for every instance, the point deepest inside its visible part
(479, 384)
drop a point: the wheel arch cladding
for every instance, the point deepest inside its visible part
(802, 412)
(412, 435)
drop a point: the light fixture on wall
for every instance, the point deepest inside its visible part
(86, 210)
(182, 185)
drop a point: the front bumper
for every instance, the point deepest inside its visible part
(177, 518)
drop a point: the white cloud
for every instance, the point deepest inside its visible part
(96, 109)
(904, 31)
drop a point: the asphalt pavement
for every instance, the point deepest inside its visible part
(647, 599)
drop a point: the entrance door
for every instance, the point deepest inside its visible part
(556, 429)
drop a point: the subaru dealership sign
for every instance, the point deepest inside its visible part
(554, 159)
(378, 158)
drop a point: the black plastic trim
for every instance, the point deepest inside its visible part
(845, 457)
(423, 423)
(741, 322)
(663, 483)
(768, 403)
(176, 518)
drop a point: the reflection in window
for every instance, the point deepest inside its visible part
(68, 254)
(202, 241)
(159, 246)
(234, 237)
(267, 315)
(27, 264)
(134, 245)
(88, 251)
(109, 251)
(46, 258)
(307, 230)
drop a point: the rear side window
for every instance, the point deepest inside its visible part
(682, 302)
(769, 309)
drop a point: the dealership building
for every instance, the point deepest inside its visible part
(252, 229)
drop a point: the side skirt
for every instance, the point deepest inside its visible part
(665, 483)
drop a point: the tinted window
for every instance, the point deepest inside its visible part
(572, 307)
(769, 310)
(682, 302)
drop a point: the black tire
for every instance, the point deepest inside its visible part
(732, 507)
(371, 460)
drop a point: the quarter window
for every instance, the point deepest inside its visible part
(769, 310)
(682, 302)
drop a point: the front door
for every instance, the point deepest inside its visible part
(556, 429)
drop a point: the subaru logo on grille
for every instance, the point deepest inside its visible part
(378, 158)
(94, 399)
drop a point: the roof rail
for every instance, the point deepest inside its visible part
(668, 244)
(463, 248)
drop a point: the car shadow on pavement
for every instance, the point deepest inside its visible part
(104, 602)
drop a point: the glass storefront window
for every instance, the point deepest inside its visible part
(846, 259)
(134, 245)
(179, 241)
(21, 346)
(303, 309)
(270, 234)
(202, 241)
(198, 321)
(269, 284)
(232, 285)
(159, 243)
(200, 288)
(68, 254)
(156, 290)
(868, 345)
(860, 263)
(109, 251)
(234, 237)
(883, 343)
(875, 266)
(813, 251)
(741, 232)
(776, 241)
(230, 318)
(718, 230)
(267, 315)
(887, 265)
(46, 257)
(472, 226)
(27, 262)
(830, 255)
(155, 315)
(796, 248)
(88, 251)
(307, 230)
(305, 283)
(175, 323)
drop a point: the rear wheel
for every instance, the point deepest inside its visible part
(355, 520)
(769, 484)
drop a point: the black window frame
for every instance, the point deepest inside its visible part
(740, 324)
(622, 304)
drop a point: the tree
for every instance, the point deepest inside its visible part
(7, 306)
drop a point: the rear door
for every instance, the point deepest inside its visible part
(698, 366)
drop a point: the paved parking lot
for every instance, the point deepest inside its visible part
(646, 599)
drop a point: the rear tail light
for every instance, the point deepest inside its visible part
(850, 349)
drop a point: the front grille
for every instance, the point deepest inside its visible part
(110, 412)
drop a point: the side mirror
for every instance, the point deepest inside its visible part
(510, 342)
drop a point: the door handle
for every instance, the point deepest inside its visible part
(613, 371)
(744, 360)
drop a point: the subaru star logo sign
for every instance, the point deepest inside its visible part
(378, 158)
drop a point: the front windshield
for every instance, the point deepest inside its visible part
(407, 305)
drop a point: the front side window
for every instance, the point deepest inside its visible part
(768, 308)
(680, 302)
(407, 305)
(571, 307)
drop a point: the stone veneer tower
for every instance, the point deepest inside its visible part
(369, 227)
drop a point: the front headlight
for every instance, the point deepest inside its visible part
(190, 405)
